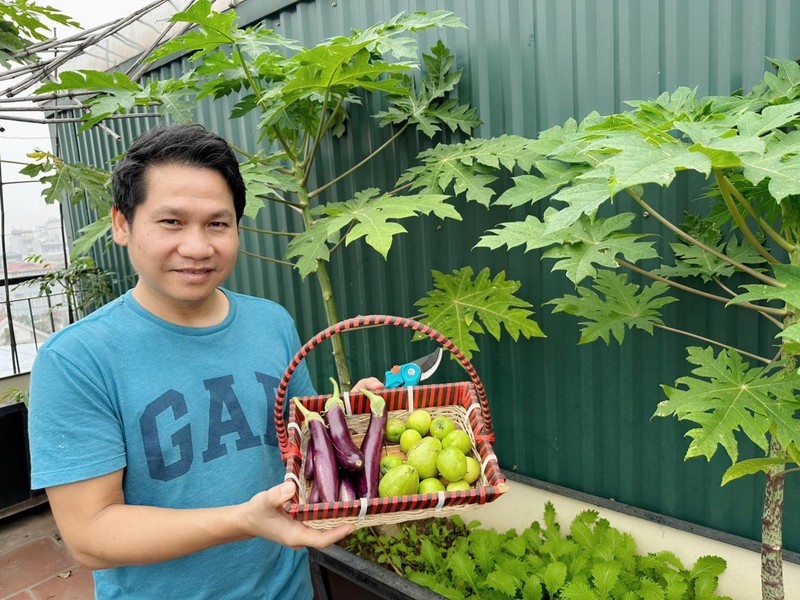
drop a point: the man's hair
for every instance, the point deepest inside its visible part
(189, 145)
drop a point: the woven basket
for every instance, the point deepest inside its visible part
(464, 403)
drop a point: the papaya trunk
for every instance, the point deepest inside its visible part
(771, 533)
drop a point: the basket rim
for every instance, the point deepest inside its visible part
(370, 321)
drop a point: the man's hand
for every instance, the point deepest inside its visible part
(264, 516)
(372, 384)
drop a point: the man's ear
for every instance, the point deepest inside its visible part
(120, 227)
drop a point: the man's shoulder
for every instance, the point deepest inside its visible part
(263, 306)
(91, 325)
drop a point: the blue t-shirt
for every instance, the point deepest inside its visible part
(188, 414)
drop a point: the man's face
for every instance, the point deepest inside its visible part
(182, 240)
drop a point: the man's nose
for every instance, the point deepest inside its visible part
(195, 243)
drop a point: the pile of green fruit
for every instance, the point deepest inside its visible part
(437, 456)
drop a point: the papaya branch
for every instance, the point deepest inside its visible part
(267, 258)
(739, 219)
(714, 342)
(364, 161)
(282, 200)
(766, 311)
(343, 238)
(6, 117)
(682, 234)
(267, 231)
(776, 237)
(323, 126)
(267, 162)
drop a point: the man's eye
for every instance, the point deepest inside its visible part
(169, 221)
(219, 224)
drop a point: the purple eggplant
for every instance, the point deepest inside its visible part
(372, 445)
(326, 473)
(308, 465)
(347, 485)
(313, 497)
(348, 456)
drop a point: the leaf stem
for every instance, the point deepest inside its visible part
(680, 233)
(354, 168)
(724, 187)
(267, 231)
(276, 198)
(777, 237)
(714, 342)
(766, 310)
(267, 258)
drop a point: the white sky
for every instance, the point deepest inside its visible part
(24, 205)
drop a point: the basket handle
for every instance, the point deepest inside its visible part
(365, 321)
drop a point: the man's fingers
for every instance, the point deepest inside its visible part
(321, 538)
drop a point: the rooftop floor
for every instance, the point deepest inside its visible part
(34, 562)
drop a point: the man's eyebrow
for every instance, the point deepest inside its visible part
(174, 211)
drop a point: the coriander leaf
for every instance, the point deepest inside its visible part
(502, 582)
(554, 576)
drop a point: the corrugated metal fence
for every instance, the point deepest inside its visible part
(575, 416)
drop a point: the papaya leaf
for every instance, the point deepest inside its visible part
(468, 167)
(532, 188)
(639, 161)
(460, 308)
(780, 164)
(309, 247)
(613, 305)
(90, 235)
(693, 261)
(597, 243)
(725, 395)
(750, 467)
(582, 198)
(530, 233)
(787, 275)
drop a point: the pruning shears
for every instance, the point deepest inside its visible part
(411, 373)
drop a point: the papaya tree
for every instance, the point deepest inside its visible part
(300, 98)
(737, 248)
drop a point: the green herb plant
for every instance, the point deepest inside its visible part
(85, 286)
(298, 100)
(589, 184)
(592, 561)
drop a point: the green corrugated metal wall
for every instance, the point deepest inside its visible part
(575, 416)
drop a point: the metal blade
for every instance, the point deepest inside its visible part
(428, 364)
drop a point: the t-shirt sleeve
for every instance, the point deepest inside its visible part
(73, 427)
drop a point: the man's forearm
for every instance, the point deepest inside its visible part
(123, 534)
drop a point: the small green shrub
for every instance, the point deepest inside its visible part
(593, 561)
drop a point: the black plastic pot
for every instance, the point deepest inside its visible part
(341, 575)
(15, 469)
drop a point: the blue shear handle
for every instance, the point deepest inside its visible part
(408, 374)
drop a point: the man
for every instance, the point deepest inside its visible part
(151, 419)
